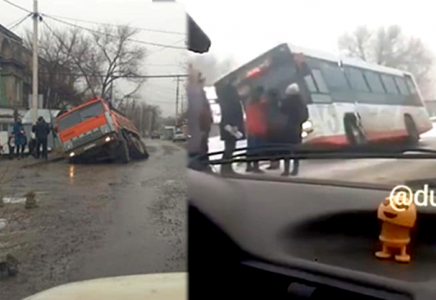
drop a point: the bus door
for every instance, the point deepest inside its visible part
(322, 112)
(367, 113)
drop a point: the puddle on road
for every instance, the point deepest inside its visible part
(3, 223)
(12, 200)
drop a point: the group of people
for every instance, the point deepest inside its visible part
(18, 140)
(272, 126)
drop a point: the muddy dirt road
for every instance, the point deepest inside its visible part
(94, 220)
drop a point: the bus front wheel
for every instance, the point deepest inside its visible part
(355, 136)
(412, 131)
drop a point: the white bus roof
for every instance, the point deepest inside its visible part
(355, 62)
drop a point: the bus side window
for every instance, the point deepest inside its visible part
(357, 80)
(402, 86)
(319, 81)
(388, 82)
(410, 85)
(413, 91)
(335, 77)
(310, 84)
(374, 82)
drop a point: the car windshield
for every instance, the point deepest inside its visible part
(81, 115)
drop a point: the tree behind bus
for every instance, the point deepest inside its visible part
(391, 48)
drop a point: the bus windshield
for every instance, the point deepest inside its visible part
(81, 115)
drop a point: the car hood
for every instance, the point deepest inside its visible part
(168, 286)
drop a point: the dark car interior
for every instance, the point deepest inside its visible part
(252, 237)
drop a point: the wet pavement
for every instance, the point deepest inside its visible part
(95, 220)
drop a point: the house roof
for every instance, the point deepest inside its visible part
(10, 34)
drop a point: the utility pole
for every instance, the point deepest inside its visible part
(177, 100)
(35, 63)
(182, 100)
(150, 121)
(141, 122)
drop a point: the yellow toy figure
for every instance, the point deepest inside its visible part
(398, 219)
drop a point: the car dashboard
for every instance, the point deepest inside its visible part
(257, 238)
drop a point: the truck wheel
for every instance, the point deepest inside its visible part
(138, 149)
(123, 151)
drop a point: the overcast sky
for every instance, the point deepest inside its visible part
(245, 28)
(138, 13)
(242, 28)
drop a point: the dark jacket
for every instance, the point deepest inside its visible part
(41, 130)
(276, 121)
(206, 118)
(296, 111)
(19, 134)
(231, 113)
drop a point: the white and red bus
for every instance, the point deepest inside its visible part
(349, 101)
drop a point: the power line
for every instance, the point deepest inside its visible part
(102, 33)
(100, 23)
(117, 76)
(17, 6)
(21, 21)
(12, 23)
(164, 48)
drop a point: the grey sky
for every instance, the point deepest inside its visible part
(138, 13)
(245, 28)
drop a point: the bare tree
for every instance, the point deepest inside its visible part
(144, 116)
(76, 65)
(211, 67)
(58, 76)
(356, 44)
(110, 54)
(391, 48)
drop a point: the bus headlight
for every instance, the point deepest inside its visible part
(307, 126)
(105, 129)
(303, 134)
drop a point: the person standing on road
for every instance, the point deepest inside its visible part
(19, 138)
(41, 130)
(276, 121)
(206, 120)
(232, 124)
(197, 126)
(295, 109)
(256, 122)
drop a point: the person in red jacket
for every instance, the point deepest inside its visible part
(256, 126)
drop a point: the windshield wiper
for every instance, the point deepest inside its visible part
(305, 152)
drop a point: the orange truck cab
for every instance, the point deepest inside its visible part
(95, 130)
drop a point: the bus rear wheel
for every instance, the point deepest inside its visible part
(412, 131)
(355, 136)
